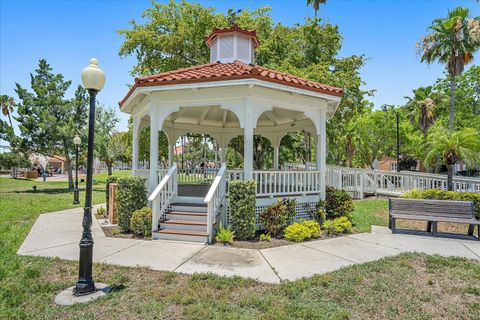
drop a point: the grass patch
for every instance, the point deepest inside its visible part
(409, 286)
(369, 212)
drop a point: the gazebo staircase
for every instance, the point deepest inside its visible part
(185, 221)
(188, 218)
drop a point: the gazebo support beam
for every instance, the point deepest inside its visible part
(321, 151)
(153, 148)
(135, 142)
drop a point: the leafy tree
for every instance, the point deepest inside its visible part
(13, 161)
(374, 137)
(453, 42)
(47, 120)
(108, 145)
(450, 147)
(262, 151)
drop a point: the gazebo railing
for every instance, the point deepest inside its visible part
(214, 199)
(271, 183)
(163, 195)
(360, 181)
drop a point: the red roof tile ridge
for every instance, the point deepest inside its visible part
(171, 72)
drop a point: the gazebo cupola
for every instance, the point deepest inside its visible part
(230, 44)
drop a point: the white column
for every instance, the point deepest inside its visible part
(275, 157)
(135, 142)
(153, 147)
(322, 152)
(248, 142)
(170, 155)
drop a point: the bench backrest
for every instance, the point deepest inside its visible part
(437, 208)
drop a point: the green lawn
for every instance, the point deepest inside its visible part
(409, 286)
(368, 213)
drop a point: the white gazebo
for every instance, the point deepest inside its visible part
(226, 98)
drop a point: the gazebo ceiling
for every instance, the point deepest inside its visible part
(214, 116)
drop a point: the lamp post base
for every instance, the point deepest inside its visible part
(76, 197)
(67, 297)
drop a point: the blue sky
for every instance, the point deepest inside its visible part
(68, 33)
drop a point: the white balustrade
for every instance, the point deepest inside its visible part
(271, 183)
(362, 181)
(215, 198)
(163, 195)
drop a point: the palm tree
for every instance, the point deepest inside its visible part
(316, 4)
(450, 147)
(422, 107)
(7, 103)
(452, 42)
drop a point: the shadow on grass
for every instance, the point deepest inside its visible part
(53, 191)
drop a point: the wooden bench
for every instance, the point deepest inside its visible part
(432, 211)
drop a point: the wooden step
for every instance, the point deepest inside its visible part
(186, 222)
(191, 225)
(188, 204)
(184, 232)
(181, 235)
(188, 213)
(188, 216)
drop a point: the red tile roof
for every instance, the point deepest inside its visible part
(217, 71)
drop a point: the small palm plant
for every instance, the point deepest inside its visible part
(450, 147)
(224, 236)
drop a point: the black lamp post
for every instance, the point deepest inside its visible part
(386, 108)
(93, 79)
(76, 141)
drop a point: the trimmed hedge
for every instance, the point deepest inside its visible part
(108, 180)
(435, 194)
(132, 195)
(242, 202)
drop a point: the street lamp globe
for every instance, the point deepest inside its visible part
(93, 78)
(77, 141)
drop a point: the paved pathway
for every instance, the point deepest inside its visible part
(57, 235)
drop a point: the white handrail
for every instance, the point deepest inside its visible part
(163, 194)
(215, 198)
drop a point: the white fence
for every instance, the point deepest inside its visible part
(163, 195)
(360, 181)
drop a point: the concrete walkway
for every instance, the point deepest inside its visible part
(57, 235)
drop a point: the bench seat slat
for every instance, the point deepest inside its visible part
(436, 219)
(435, 214)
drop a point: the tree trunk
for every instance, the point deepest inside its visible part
(69, 171)
(450, 177)
(452, 102)
(109, 168)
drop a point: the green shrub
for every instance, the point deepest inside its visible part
(141, 221)
(313, 227)
(242, 200)
(274, 218)
(435, 194)
(265, 237)
(338, 203)
(338, 226)
(131, 196)
(290, 206)
(224, 235)
(108, 180)
(300, 231)
(101, 211)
